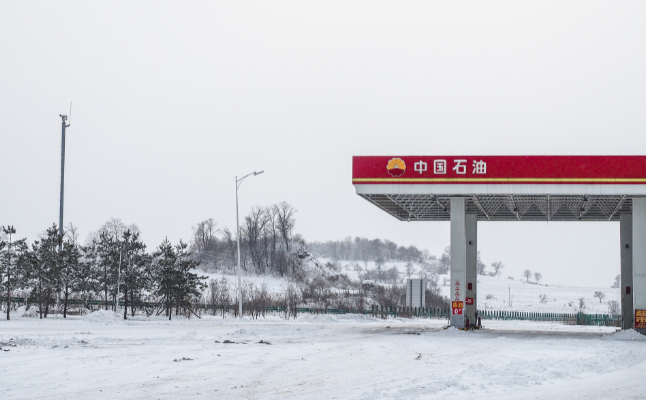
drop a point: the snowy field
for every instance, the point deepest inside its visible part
(99, 356)
(525, 296)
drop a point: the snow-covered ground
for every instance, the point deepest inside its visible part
(525, 296)
(100, 356)
(272, 283)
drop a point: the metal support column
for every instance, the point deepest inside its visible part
(61, 205)
(458, 259)
(626, 251)
(639, 257)
(471, 268)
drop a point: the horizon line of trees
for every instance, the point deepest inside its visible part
(380, 251)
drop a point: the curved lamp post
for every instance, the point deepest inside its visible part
(238, 183)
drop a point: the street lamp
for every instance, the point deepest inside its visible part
(238, 183)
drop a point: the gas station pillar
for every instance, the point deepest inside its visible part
(470, 301)
(458, 261)
(626, 251)
(639, 264)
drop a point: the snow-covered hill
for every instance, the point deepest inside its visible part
(494, 293)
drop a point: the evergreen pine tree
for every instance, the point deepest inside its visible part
(164, 275)
(69, 273)
(43, 270)
(12, 275)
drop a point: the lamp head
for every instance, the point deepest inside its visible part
(258, 173)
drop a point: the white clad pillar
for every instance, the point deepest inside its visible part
(639, 259)
(626, 252)
(471, 234)
(458, 259)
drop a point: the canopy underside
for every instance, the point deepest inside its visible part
(505, 207)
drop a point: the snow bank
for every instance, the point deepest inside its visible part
(451, 331)
(628, 334)
(103, 316)
(31, 313)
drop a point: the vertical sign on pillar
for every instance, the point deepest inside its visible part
(471, 233)
(458, 260)
(639, 255)
(640, 319)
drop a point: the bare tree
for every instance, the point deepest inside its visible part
(581, 303)
(480, 266)
(72, 233)
(205, 241)
(113, 228)
(527, 274)
(409, 269)
(599, 295)
(286, 220)
(613, 307)
(497, 266)
(230, 246)
(538, 276)
(543, 298)
(347, 247)
(253, 230)
(445, 259)
(391, 247)
(617, 282)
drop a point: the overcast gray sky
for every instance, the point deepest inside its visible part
(173, 99)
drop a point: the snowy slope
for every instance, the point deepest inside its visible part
(560, 299)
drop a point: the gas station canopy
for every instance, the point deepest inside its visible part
(502, 188)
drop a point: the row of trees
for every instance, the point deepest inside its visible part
(112, 266)
(537, 275)
(267, 242)
(380, 251)
(362, 249)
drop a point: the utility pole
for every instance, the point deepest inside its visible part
(238, 183)
(60, 217)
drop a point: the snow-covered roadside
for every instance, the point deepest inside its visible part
(101, 356)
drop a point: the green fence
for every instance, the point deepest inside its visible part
(387, 311)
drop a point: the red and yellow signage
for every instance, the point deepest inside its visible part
(499, 169)
(640, 319)
(457, 307)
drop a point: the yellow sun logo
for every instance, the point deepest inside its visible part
(396, 167)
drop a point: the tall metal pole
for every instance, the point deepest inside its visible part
(238, 182)
(238, 267)
(60, 218)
